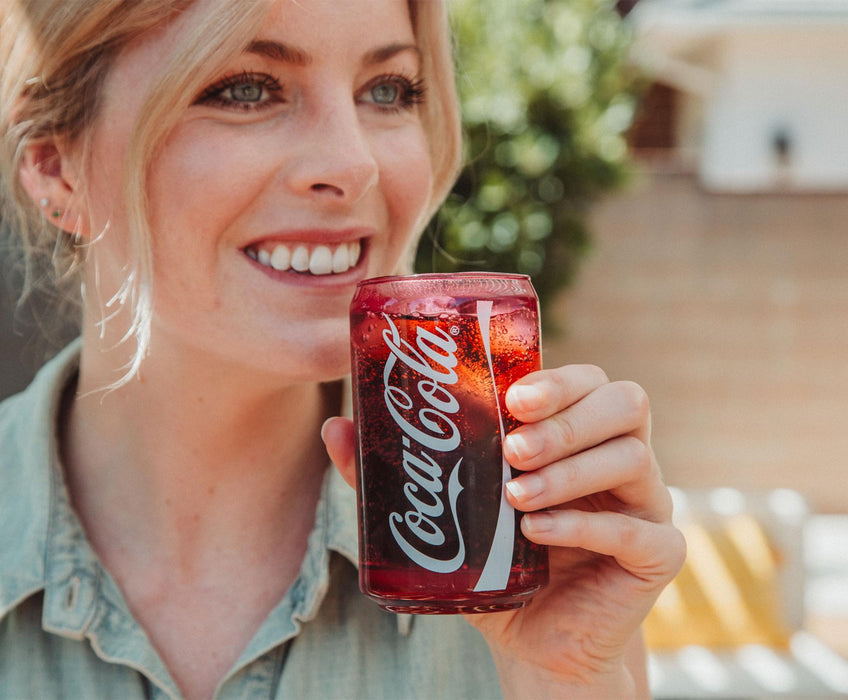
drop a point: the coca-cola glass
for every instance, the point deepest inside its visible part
(432, 358)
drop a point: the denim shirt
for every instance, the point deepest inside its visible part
(66, 630)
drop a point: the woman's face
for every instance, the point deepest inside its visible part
(301, 169)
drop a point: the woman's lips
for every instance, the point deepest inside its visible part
(315, 259)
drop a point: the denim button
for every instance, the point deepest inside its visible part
(72, 592)
(70, 605)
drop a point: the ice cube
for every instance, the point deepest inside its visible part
(432, 306)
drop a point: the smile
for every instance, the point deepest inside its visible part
(315, 260)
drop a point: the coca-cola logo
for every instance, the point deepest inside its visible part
(427, 427)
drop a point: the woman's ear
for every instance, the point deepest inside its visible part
(50, 181)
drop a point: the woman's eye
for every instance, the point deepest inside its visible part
(385, 93)
(245, 92)
(394, 92)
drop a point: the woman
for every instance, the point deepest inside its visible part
(222, 174)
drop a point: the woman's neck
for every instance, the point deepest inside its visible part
(193, 458)
(197, 486)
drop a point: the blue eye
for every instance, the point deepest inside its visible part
(394, 92)
(385, 93)
(244, 91)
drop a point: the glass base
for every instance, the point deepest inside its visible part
(479, 603)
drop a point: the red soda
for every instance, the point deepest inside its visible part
(432, 358)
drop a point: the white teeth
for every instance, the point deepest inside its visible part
(321, 260)
(300, 259)
(353, 253)
(280, 259)
(341, 259)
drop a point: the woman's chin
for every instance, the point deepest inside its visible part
(311, 358)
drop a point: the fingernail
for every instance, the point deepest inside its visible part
(520, 446)
(324, 428)
(537, 523)
(523, 396)
(526, 487)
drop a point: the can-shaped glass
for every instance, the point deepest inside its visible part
(432, 358)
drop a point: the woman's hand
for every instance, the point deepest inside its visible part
(597, 496)
(594, 493)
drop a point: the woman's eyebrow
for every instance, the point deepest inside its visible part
(287, 53)
(279, 52)
(384, 53)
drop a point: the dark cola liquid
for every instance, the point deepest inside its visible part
(431, 472)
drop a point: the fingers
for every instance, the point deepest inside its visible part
(623, 466)
(594, 441)
(646, 549)
(607, 411)
(338, 436)
(542, 394)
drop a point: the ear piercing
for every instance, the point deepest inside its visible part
(44, 202)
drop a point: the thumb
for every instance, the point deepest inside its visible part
(338, 436)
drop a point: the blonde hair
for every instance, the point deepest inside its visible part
(54, 55)
(440, 111)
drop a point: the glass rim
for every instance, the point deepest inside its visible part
(425, 276)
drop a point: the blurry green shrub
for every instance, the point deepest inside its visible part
(546, 96)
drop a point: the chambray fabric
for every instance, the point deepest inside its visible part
(66, 631)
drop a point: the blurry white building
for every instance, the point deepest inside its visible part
(755, 92)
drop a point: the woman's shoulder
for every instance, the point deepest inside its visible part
(28, 420)
(28, 451)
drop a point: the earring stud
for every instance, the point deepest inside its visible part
(44, 202)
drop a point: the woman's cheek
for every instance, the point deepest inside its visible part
(409, 175)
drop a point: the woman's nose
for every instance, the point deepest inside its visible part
(335, 158)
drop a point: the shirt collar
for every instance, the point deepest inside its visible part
(28, 471)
